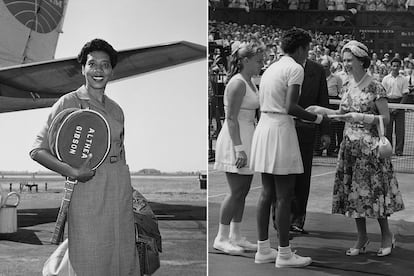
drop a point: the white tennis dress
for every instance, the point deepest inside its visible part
(275, 146)
(225, 154)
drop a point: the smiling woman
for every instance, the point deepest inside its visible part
(107, 186)
(165, 114)
(97, 66)
(149, 100)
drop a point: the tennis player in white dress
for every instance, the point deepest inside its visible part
(233, 146)
(275, 149)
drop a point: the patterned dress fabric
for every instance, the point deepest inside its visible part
(365, 184)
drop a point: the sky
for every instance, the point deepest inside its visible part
(165, 111)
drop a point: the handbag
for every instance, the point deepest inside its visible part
(384, 145)
(149, 259)
(147, 234)
(147, 241)
(58, 263)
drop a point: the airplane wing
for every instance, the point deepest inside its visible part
(40, 84)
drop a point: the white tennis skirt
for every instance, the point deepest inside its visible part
(275, 146)
(225, 154)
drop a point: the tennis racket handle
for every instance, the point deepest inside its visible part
(57, 237)
(63, 212)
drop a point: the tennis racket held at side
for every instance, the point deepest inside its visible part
(74, 134)
(58, 234)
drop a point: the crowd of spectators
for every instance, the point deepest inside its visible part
(225, 38)
(358, 5)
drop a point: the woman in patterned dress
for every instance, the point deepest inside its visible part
(233, 146)
(101, 229)
(365, 183)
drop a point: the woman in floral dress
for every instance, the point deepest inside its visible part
(365, 184)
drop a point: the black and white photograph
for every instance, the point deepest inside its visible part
(103, 110)
(206, 137)
(310, 137)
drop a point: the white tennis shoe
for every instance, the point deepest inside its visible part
(228, 247)
(294, 261)
(260, 258)
(245, 244)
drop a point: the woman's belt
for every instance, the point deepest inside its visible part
(113, 159)
(272, 112)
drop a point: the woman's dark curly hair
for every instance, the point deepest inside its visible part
(98, 45)
(295, 38)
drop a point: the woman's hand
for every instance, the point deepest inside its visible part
(84, 173)
(81, 174)
(241, 159)
(314, 109)
(353, 117)
(319, 110)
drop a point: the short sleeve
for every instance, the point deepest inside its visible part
(41, 139)
(296, 75)
(379, 90)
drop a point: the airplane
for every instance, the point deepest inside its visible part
(31, 78)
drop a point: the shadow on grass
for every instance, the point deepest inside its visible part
(31, 217)
(22, 236)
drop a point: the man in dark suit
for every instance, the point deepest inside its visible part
(314, 91)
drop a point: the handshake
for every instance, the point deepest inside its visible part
(352, 117)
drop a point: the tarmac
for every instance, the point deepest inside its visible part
(328, 239)
(182, 224)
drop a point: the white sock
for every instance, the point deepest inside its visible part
(263, 247)
(223, 232)
(235, 230)
(285, 252)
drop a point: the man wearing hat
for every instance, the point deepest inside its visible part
(386, 58)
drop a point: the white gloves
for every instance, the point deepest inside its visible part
(356, 117)
(320, 110)
(318, 119)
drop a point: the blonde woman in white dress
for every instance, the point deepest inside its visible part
(275, 148)
(233, 146)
